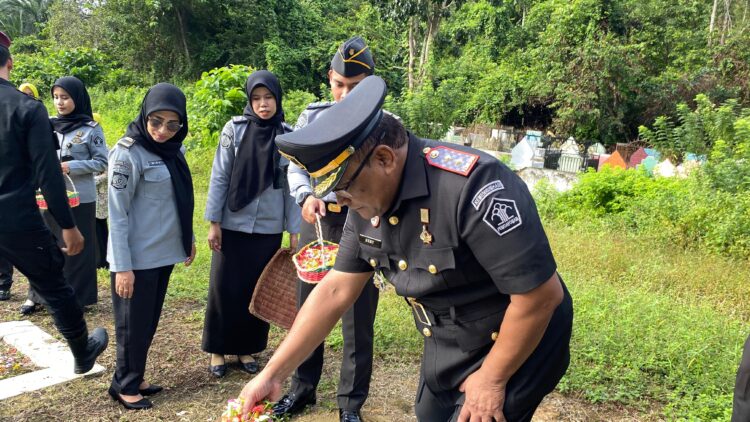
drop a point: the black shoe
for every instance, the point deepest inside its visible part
(4, 294)
(218, 370)
(349, 416)
(30, 309)
(141, 404)
(249, 367)
(292, 404)
(87, 348)
(150, 390)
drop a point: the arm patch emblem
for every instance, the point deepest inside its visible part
(502, 216)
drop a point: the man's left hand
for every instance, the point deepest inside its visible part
(485, 397)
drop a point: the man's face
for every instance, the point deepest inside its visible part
(368, 187)
(341, 86)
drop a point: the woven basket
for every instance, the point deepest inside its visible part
(275, 296)
(73, 199)
(314, 275)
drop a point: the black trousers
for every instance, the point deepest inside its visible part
(430, 408)
(102, 233)
(357, 327)
(136, 320)
(79, 270)
(741, 405)
(37, 256)
(6, 274)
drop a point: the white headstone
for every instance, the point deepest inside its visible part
(522, 154)
(665, 169)
(570, 147)
(597, 149)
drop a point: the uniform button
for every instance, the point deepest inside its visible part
(373, 262)
(393, 220)
(426, 150)
(494, 336)
(432, 269)
(426, 331)
(402, 265)
(434, 154)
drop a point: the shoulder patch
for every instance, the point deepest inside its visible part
(502, 216)
(239, 119)
(451, 160)
(93, 123)
(486, 191)
(126, 142)
(320, 104)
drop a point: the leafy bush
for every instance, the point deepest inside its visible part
(43, 68)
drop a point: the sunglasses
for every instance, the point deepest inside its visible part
(171, 126)
(345, 186)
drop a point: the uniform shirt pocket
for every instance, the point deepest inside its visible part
(157, 183)
(79, 151)
(473, 332)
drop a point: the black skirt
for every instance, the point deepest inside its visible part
(79, 270)
(229, 328)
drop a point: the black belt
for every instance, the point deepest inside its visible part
(429, 316)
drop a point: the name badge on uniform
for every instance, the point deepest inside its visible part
(370, 241)
(155, 163)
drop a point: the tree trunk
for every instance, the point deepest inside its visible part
(727, 23)
(183, 36)
(712, 22)
(412, 50)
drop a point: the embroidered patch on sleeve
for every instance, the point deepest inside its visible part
(225, 141)
(119, 180)
(98, 140)
(502, 216)
(486, 191)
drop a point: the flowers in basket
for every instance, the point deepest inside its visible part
(259, 413)
(73, 199)
(315, 259)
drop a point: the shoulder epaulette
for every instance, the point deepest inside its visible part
(287, 127)
(239, 119)
(126, 142)
(320, 104)
(452, 160)
(93, 123)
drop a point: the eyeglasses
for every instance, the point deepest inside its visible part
(345, 186)
(171, 126)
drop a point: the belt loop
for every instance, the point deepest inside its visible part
(453, 314)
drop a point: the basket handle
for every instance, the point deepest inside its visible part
(319, 232)
(73, 185)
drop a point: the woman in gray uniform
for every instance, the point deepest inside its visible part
(150, 213)
(249, 207)
(83, 152)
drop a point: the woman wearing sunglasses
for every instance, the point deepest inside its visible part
(151, 212)
(249, 207)
(82, 152)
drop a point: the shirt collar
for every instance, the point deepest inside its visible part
(413, 182)
(6, 82)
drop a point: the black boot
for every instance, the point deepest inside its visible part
(87, 348)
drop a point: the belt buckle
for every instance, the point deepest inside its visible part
(333, 207)
(417, 307)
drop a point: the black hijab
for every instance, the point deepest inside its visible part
(82, 113)
(167, 97)
(256, 165)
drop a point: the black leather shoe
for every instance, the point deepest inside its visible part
(218, 370)
(292, 404)
(141, 404)
(87, 348)
(4, 294)
(349, 416)
(249, 367)
(150, 390)
(30, 309)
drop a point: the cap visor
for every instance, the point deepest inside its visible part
(325, 184)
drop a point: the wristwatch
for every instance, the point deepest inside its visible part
(302, 197)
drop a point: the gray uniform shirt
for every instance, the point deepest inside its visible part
(89, 151)
(274, 211)
(144, 225)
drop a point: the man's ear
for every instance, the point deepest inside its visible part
(385, 157)
(10, 63)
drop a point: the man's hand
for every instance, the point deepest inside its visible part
(65, 168)
(124, 284)
(73, 241)
(485, 397)
(259, 388)
(293, 241)
(214, 237)
(189, 260)
(311, 207)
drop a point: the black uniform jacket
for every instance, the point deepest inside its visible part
(27, 161)
(462, 235)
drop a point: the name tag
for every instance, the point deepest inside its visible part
(155, 163)
(369, 241)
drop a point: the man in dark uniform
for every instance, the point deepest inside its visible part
(741, 401)
(351, 63)
(27, 148)
(6, 278)
(457, 233)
